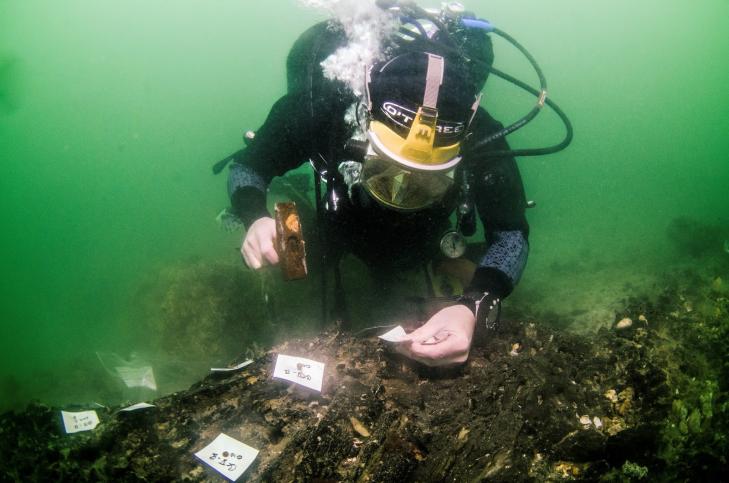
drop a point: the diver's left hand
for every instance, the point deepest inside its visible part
(444, 340)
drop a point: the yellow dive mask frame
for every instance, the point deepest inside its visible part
(417, 150)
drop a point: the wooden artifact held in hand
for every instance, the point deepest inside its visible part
(290, 242)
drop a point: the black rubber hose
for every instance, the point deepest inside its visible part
(541, 95)
(523, 50)
(533, 151)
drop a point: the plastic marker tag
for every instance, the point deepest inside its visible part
(395, 335)
(75, 422)
(228, 456)
(302, 371)
(137, 377)
(135, 407)
(230, 369)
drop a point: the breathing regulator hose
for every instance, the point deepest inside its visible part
(542, 99)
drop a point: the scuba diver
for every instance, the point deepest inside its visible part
(392, 163)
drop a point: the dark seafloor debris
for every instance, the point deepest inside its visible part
(695, 238)
(644, 402)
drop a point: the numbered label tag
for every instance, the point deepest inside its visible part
(75, 422)
(228, 456)
(302, 371)
(234, 368)
(138, 406)
(137, 377)
(395, 335)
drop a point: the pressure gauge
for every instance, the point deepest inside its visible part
(453, 244)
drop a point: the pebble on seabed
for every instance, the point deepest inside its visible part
(597, 422)
(624, 324)
(612, 395)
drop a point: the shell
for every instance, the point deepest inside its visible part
(624, 324)
(359, 427)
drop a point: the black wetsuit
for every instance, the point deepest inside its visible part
(309, 123)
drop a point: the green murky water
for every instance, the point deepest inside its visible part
(111, 114)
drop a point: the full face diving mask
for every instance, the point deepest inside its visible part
(413, 150)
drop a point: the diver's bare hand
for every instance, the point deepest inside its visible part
(257, 248)
(444, 340)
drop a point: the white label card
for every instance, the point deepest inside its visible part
(302, 371)
(137, 377)
(135, 407)
(228, 456)
(234, 368)
(75, 422)
(395, 335)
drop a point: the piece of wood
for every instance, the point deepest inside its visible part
(290, 244)
(590, 407)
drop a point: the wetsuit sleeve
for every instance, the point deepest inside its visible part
(279, 146)
(501, 205)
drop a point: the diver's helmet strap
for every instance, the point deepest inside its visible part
(433, 80)
(420, 139)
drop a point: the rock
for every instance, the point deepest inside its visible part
(626, 400)
(597, 422)
(615, 425)
(624, 324)
(568, 469)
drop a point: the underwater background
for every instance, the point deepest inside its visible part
(112, 114)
